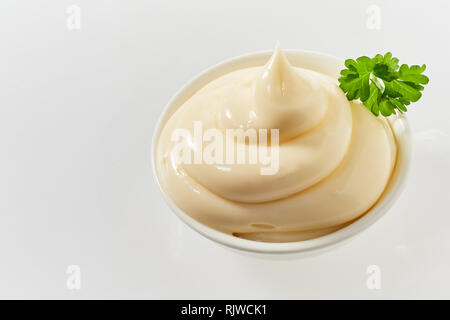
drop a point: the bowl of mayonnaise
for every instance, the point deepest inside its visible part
(264, 153)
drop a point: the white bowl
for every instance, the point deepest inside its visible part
(318, 62)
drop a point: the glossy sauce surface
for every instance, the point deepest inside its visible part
(335, 157)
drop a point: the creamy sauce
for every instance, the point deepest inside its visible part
(335, 157)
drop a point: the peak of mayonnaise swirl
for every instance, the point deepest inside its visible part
(335, 157)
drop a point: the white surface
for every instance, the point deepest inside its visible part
(77, 111)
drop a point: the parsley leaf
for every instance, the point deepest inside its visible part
(381, 85)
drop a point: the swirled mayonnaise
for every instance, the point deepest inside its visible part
(333, 161)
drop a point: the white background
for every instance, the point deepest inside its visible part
(77, 112)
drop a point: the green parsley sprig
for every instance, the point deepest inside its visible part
(381, 85)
